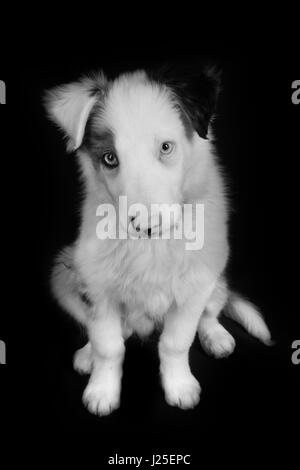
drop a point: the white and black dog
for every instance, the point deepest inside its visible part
(148, 137)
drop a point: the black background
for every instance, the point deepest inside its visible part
(249, 406)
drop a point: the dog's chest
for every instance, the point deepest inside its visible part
(144, 275)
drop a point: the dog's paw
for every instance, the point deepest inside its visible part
(183, 392)
(83, 361)
(101, 399)
(217, 342)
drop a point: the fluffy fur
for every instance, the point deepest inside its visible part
(117, 287)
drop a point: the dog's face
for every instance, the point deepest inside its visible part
(137, 138)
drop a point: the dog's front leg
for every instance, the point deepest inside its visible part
(180, 386)
(102, 394)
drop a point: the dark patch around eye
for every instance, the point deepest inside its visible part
(97, 141)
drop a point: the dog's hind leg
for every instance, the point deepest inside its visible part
(214, 338)
(67, 288)
(71, 295)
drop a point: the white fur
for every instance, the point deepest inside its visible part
(135, 284)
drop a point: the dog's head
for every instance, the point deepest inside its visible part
(141, 135)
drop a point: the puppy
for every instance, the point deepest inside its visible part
(146, 137)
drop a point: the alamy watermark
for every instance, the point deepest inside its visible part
(2, 92)
(160, 221)
(2, 352)
(296, 94)
(296, 354)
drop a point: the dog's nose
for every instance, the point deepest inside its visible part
(138, 228)
(134, 223)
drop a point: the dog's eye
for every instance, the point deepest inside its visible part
(110, 160)
(166, 148)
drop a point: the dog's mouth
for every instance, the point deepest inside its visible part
(155, 231)
(150, 223)
(136, 232)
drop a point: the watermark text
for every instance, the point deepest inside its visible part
(296, 94)
(2, 92)
(296, 354)
(159, 221)
(2, 352)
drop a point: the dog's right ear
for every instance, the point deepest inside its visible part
(69, 106)
(195, 89)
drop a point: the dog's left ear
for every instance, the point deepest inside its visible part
(195, 92)
(69, 106)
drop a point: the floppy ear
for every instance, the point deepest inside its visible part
(195, 90)
(69, 106)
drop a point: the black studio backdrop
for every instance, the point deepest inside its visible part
(251, 399)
